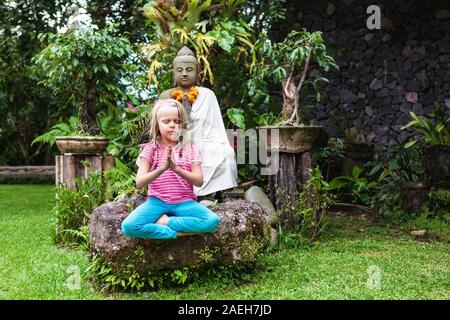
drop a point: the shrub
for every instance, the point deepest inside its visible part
(314, 200)
(391, 168)
(108, 277)
(121, 180)
(356, 185)
(329, 156)
(440, 200)
(87, 65)
(74, 207)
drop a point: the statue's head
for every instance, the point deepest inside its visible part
(185, 68)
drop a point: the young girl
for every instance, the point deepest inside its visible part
(170, 166)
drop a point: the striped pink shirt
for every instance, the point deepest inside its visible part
(169, 186)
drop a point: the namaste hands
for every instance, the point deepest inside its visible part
(170, 163)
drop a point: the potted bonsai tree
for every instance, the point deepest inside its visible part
(86, 66)
(288, 62)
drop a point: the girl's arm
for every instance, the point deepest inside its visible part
(144, 177)
(195, 176)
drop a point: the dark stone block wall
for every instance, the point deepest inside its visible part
(384, 74)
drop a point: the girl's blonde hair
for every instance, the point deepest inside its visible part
(183, 117)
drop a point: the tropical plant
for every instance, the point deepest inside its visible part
(391, 168)
(126, 129)
(434, 130)
(74, 207)
(266, 119)
(121, 180)
(356, 185)
(328, 155)
(399, 163)
(236, 116)
(61, 129)
(205, 26)
(88, 65)
(288, 62)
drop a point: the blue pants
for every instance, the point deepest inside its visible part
(189, 216)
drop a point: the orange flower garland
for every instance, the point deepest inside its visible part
(179, 94)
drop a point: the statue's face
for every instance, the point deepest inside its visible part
(185, 74)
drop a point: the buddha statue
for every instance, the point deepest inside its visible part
(206, 127)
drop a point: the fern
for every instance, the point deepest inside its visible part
(74, 207)
(81, 235)
(121, 180)
(60, 129)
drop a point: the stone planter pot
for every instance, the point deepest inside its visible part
(295, 139)
(357, 154)
(82, 144)
(360, 151)
(437, 164)
(415, 193)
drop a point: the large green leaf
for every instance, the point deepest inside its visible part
(224, 40)
(236, 117)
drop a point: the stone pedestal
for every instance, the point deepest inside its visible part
(295, 146)
(415, 194)
(70, 166)
(81, 155)
(436, 160)
(286, 185)
(357, 155)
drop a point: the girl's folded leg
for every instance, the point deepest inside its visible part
(141, 222)
(190, 216)
(156, 231)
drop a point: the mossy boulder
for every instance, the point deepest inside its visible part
(242, 234)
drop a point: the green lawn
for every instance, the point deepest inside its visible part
(341, 265)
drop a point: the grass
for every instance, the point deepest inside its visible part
(344, 264)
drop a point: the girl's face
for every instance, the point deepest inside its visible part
(169, 123)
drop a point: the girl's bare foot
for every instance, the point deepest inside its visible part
(164, 219)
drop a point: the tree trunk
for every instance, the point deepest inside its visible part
(286, 185)
(288, 97)
(88, 112)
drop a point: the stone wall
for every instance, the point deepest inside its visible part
(27, 174)
(384, 74)
(30, 170)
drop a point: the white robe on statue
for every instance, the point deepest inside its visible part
(207, 132)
